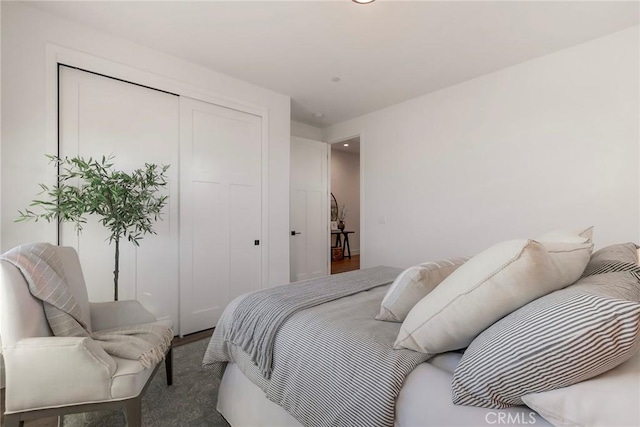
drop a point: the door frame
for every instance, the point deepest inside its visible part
(361, 195)
(56, 55)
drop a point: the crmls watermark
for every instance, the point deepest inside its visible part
(510, 418)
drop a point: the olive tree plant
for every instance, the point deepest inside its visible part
(127, 204)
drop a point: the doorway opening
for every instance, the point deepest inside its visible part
(345, 205)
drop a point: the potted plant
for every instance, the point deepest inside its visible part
(127, 204)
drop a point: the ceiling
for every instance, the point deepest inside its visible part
(383, 53)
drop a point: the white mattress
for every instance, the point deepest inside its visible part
(425, 400)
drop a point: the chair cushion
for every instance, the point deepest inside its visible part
(129, 379)
(115, 314)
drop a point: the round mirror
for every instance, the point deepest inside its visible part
(334, 208)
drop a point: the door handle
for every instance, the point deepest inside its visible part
(293, 233)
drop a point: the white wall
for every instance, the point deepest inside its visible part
(25, 33)
(345, 186)
(546, 144)
(304, 130)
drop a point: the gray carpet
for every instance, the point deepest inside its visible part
(190, 401)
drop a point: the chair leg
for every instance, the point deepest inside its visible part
(134, 412)
(13, 420)
(168, 364)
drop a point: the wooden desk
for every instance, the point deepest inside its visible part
(346, 249)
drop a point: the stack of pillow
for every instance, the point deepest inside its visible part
(535, 316)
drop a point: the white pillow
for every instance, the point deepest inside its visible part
(581, 235)
(412, 285)
(486, 288)
(610, 399)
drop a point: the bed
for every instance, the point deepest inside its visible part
(316, 357)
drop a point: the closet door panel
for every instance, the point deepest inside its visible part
(220, 214)
(102, 116)
(210, 243)
(244, 226)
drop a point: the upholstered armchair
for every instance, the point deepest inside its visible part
(50, 376)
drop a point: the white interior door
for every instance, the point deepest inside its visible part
(102, 116)
(220, 211)
(309, 211)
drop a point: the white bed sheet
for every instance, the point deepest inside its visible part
(425, 400)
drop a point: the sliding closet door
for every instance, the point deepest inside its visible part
(102, 116)
(220, 210)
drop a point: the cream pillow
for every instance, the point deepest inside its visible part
(581, 235)
(610, 399)
(489, 286)
(412, 285)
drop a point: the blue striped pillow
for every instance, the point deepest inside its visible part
(560, 339)
(612, 259)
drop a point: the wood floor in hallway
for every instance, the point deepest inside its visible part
(345, 265)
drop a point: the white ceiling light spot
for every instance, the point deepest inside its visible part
(318, 115)
(363, 1)
(346, 145)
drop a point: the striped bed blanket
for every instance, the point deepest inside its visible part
(330, 363)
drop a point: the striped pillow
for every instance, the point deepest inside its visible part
(560, 339)
(614, 258)
(412, 285)
(625, 252)
(610, 267)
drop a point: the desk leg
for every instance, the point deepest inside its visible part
(346, 245)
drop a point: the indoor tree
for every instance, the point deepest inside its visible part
(126, 204)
